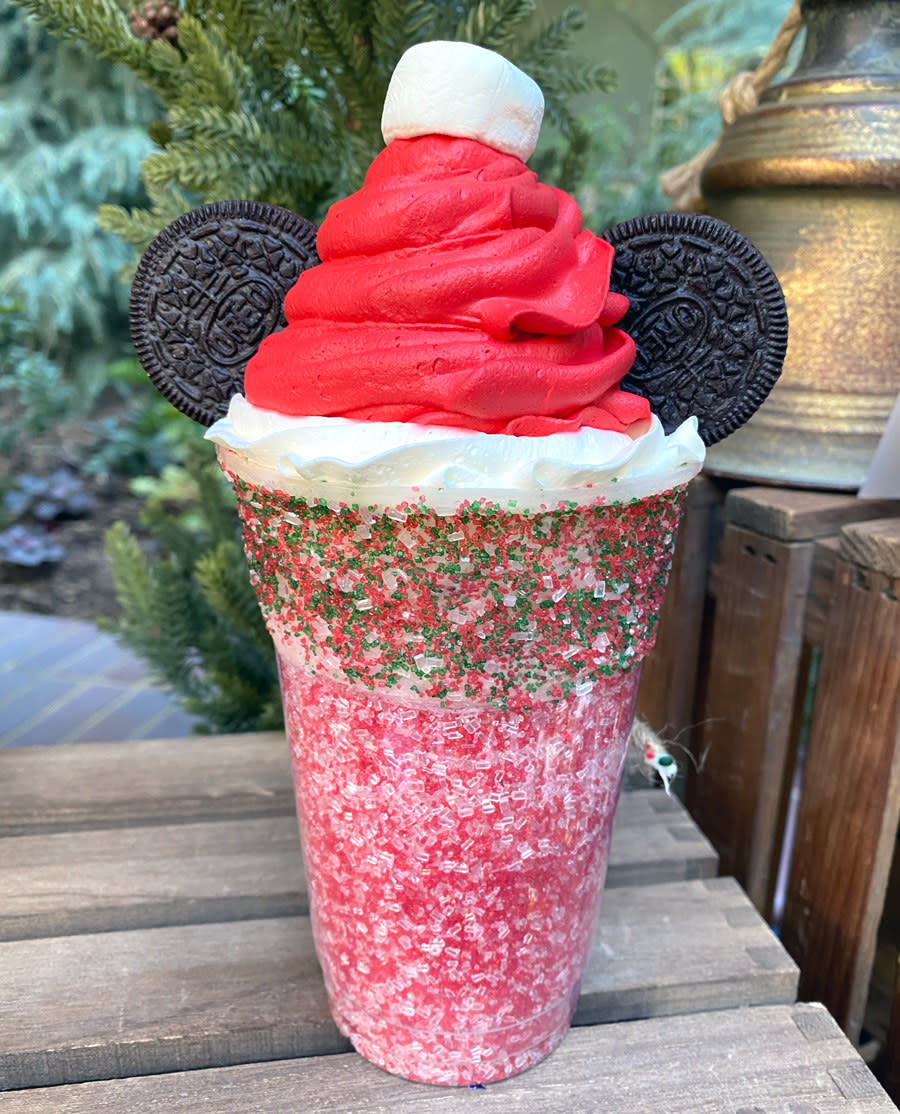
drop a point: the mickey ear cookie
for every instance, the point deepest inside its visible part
(707, 315)
(207, 292)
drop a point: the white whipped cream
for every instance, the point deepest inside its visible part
(459, 89)
(382, 463)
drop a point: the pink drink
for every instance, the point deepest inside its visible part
(458, 692)
(455, 860)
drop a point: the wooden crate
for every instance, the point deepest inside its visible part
(850, 801)
(800, 584)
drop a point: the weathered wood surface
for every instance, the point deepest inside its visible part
(850, 806)
(771, 1059)
(713, 951)
(818, 605)
(654, 839)
(744, 739)
(874, 545)
(772, 593)
(97, 881)
(92, 785)
(191, 996)
(667, 696)
(795, 515)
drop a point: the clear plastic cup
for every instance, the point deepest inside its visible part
(458, 688)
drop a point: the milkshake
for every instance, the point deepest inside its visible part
(459, 528)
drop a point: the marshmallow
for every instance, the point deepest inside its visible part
(459, 89)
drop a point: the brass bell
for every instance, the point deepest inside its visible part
(811, 177)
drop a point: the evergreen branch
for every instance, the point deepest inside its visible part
(396, 26)
(236, 704)
(244, 25)
(212, 73)
(152, 622)
(581, 76)
(222, 576)
(219, 154)
(181, 545)
(177, 601)
(540, 57)
(573, 164)
(139, 226)
(213, 172)
(554, 36)
(215, 124)
(130, 573)
(89, 20)
(271, 37)
(341, 43)
(494, 23)
(103, 26)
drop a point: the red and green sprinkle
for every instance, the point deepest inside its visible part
(500, 607)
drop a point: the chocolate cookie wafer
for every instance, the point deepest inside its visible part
(207, 292)
(707, 315)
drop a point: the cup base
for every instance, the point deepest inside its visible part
(455, 857)
(454, 1059)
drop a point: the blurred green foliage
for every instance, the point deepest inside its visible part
(72, 135)
(698, 49)
(143, 435)
(189, 610)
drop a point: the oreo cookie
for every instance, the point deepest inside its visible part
(207, 291)
(707, 315)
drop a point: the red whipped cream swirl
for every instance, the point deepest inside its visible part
(454, 290)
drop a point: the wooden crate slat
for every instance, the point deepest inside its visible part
(796, 515)
(744, 739)
(193, 996)
(818, 603)
(780, 1059)
(873, 545)
(655, 839)
(724, 955)
(91, 785)
(97, 881)
(850, 805)
(161, 999)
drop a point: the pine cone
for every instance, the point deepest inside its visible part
(157, 19)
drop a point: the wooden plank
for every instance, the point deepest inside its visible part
(654, 839)
(777, 1059)
(92, 785)
(818, 603)
(94, 881)
(725, 953)
(744, 740)
(794, 515)
(667, 696)
(850, 806)
(873, 545)
(184, 997)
